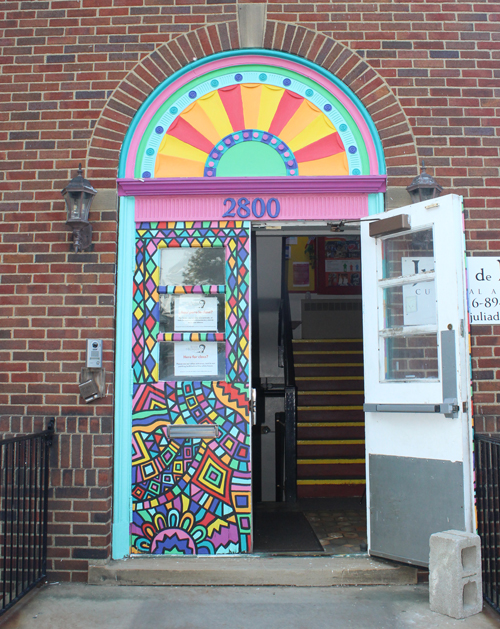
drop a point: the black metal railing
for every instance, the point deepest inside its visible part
(285, 345)
(24, 485)
(487, 463)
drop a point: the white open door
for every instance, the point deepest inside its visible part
(417, 378)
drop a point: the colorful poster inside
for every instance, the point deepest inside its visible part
(339, 265)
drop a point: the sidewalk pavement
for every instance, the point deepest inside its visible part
(79, 606)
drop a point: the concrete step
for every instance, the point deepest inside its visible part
(316, 571)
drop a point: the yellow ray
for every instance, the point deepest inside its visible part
(212, 105)
(269, 100)
(168, 166)
(177, 148)
(301, 119)
(319, 128)
(198, 118)
(333, 165)
(250, 97)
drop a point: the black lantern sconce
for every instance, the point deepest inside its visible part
(79, 194)
(423, 187)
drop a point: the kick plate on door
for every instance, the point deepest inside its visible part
(185, 431)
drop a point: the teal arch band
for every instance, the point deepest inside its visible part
(122, 481)
(265, 54)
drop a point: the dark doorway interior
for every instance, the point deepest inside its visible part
(309, 481)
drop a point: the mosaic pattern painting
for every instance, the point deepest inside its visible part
(233, 235)
(191, 496)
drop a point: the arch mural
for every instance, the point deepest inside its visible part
(282, 139)
(265, 114)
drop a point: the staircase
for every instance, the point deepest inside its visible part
(330, 422)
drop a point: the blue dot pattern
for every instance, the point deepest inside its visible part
(352, 150)
(146, 174)
(287, 82)
(159, 129)
(238, 77)
(192, 94)
(327, 107)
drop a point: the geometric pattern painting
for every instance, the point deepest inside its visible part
(234, 237)
(191, 496)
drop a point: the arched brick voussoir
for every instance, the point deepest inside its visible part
(381, 103)
(132, 91)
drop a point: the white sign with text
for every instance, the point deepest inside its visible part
(483, 289)
(195, 359)
(195, 314)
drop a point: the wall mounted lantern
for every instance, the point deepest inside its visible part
(79, 194)
(423, 187)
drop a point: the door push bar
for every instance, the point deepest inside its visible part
(449, 407)
(192, 431)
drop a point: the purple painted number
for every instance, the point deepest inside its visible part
(258, 207)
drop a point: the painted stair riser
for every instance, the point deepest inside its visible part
(326, 345)
(327, 358)
(330, 491)
(323, 432)
(330, 470)
(325, 370)
(331, 451)
(317, 415)
(330, 385)
(330, 400)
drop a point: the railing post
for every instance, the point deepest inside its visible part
(290, 444)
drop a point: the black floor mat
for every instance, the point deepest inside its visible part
(282, 531)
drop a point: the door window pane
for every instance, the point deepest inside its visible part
(411, 357)
(192, 313)
(186, 361)
(410, 305)
(192, 266)
(408, 254)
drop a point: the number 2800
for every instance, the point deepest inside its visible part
(257, 207)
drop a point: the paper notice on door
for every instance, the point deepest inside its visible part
(195, 359)
(195, 314)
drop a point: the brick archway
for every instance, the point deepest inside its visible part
(386, 112)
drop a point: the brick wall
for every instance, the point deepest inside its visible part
(73, 74)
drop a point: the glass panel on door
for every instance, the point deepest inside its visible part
(408, 325)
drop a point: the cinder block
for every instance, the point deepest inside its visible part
(455, 586)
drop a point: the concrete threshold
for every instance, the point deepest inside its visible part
(312, 571)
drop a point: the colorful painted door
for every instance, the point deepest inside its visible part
(191, 476)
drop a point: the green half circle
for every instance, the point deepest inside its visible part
(251, 159)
